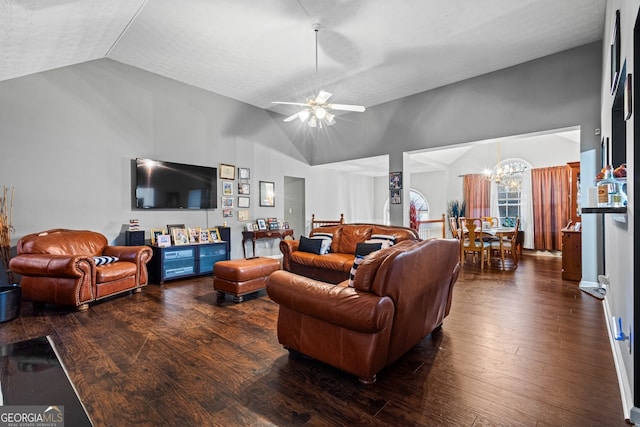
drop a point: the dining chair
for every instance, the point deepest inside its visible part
(495, 222)
(453, 227)
(507, 246)
(471, 241)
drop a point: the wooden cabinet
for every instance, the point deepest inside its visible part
(177, 262)
(571, 253)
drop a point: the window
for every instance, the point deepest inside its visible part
(420, 202)
(508, 178)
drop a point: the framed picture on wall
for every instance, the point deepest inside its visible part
(244, 173)
(395, 180)
(243, 201)
(243, 215)
(227, 171)
(395, 197)
(227, 213)
(227, 202)
(227, 188)
(244, 188)
(267, 194)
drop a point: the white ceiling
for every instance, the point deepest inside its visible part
(371, 51)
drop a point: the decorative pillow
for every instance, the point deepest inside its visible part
(105, 259)
(352, 274)
(365, 249)
(387, 240)
(327, 239)
(313, 246)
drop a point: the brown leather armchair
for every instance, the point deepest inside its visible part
(58, 267)
(399, 295)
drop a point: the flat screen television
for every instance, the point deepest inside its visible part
(167, 185)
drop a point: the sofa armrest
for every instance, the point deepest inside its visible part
(129, 253)
(46, 265)
(339, 305)
(287, 247)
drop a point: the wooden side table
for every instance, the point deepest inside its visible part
(263, 234)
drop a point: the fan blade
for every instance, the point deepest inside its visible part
(345, 107)
(292, 117)
(304, 104)
(322, 97)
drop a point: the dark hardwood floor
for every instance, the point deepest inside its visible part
(519, 348)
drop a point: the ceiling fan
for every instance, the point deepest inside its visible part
(317, 111)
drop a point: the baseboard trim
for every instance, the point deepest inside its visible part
(630, 412)
(587, 284)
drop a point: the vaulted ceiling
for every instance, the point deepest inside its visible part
(259, 51)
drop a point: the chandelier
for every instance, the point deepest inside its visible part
(508, 175)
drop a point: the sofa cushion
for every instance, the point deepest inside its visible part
(354, 268)
(364, 249)
(350, 236)
(115, 271)
(330, 261)
(385, 239)
(63, 242)
(313, 246)
(105, 259)
(327, 239)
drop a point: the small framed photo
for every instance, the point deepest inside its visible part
(243, 201)
(227, 188)
(285, 225)
(163, 240)
(204, 236)
(244, 173)
(244, 188)
(227, 202)
(395, 180)
(262, 224)
(171, 227)
(227, 171)
(396, 197)
(155, 232)
(227, 213)
(243, 215)
(255, 227)
(214, 234)
(180, 236)
(274, 226)
(267, 194)
(194, 235)
(249, 226)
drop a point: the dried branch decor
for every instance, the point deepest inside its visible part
(6, 212)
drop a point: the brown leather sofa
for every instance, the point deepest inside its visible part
(335, 266)
(399, 295)
(58, 267)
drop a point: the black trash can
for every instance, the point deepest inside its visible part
(10, 300)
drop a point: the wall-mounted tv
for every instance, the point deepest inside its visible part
(167, 185)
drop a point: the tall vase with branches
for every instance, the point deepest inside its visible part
(6, 227)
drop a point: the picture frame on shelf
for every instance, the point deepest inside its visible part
(267, 194)
(171, 227)
(243, 201)
(163, 240)
(244, 188)
(227, 202)
(285, 225)
(227, 188)
(262, 224)
(154, 233)
(249, 226)
(180, 236)
(227, 171)
(395, 180)
(274, 226)
(194, 234)
(205, 236)
(243, 215)
(214, 234)
(227, 213)
(244, 173)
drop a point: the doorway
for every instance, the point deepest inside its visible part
(294, 204)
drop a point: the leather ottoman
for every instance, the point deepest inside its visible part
(240, 277)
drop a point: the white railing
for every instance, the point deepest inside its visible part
(430, 228)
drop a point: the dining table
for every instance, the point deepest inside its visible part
(500, 232)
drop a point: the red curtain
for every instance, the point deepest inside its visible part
(475, 190)
(550, 193)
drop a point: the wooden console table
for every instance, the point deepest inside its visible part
(266, 234)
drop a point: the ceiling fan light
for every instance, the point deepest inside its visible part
(330, 119)
(313, 122)
(303, 115)
(321, 113)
